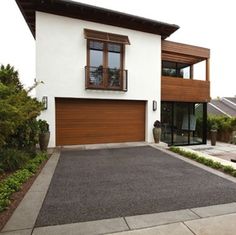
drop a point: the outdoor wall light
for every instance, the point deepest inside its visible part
(45, 102)
(154, 105)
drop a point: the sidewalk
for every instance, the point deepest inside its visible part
(212, 220)
(221, 152)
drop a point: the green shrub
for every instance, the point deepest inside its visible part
(208, 162)
(225, 126)
(217, 165)
(23, 174)
(32, 167)
(26, 137)
(33, 164)
(43, 126)
(4, 203)
(234, 173)
(228, 169)
(18, 112)
(13, 183)
(12, 159)
(200, 160)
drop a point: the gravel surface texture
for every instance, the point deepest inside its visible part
(98, 184)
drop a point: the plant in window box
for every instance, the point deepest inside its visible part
(114, 77)
(44, 134)
(157, 131)
(96, 75)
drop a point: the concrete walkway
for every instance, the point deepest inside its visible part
(221, 152)
(217, 219)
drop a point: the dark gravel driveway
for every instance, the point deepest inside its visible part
(98, 184)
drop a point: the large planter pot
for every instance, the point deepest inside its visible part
(213, 137)
(156, 134)
(43, 141)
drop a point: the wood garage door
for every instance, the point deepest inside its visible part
(87, 121)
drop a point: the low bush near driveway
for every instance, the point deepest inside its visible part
(205, 161)
(12, 159)
(13, 182)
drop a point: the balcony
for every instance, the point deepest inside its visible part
(100, 78)
(179, 63)
(184, 90)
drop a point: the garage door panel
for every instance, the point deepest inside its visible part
(81, 121)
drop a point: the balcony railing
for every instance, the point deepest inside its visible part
(106, 78)
(184, 90)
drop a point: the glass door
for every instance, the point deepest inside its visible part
(183, 123)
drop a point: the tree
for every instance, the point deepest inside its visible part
(18, 111)
(9, 76)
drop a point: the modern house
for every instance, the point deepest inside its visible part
(109, 75)
(225, 106)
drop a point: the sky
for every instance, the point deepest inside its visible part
(204, 23)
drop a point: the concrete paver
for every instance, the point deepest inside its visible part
(88, 228)
(105, 146)
(217, 158)
(26, 213)
(142, 221)
(19, 232)
(210, 220)
(215, 210)
(219, 225)
(170, 229)
(221, 151)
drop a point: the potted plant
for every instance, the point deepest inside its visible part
(157, 131)
(44, 134)
(214, 129)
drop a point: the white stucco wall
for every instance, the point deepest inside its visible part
(61, 58)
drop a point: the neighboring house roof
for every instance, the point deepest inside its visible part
(232, 99)
(91, 13)
(214, 110)
(225, 106)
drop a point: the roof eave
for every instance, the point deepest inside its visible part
(94, 14)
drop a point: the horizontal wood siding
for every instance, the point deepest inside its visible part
(84, 121)
(186, 90)
(180, 58)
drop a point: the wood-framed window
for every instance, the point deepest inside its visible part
(105, 61)
(174, 69)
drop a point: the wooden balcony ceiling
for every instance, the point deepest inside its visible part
(183, 53)
(91, 13)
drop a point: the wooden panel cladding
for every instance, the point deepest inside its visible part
(107, 37)
(184, 49)
(185, 59)
(185, 90)
(89, 121)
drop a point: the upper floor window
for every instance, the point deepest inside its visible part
(174, 69)
(105, 61)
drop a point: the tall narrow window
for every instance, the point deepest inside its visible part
(96, 58)
(114, 65)
(105, 61)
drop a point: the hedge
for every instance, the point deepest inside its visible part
(205, 161)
